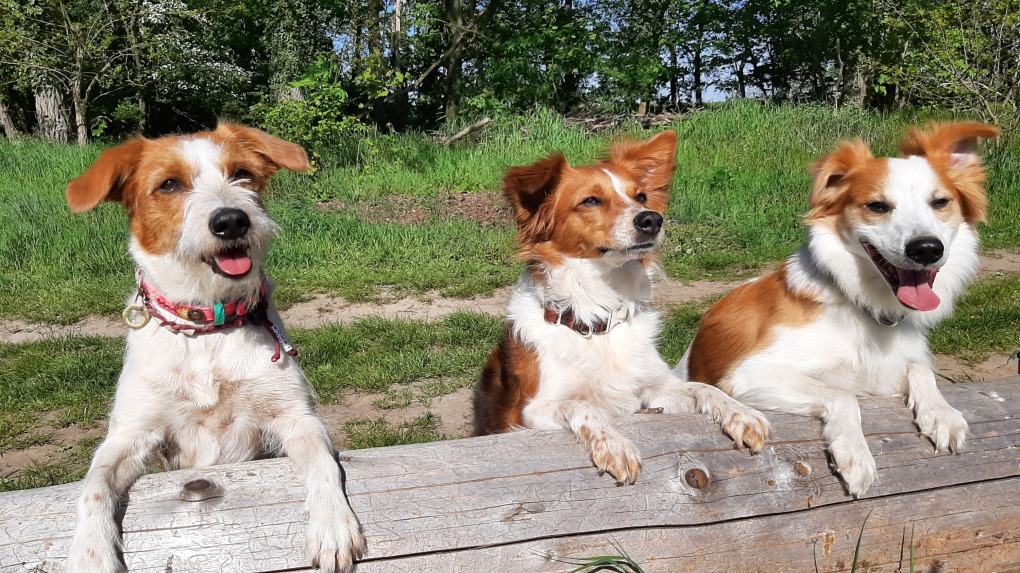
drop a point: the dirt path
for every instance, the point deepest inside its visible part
(322, 309)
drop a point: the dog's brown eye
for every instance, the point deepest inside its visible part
(940, 203)
(592, 201)
(171, 186)
(878, 207)
(241, 173)
(641, 198)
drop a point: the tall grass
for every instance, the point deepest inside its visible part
(740, 188)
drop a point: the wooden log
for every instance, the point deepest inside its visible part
(530, 500)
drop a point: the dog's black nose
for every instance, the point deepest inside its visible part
(649, 222)
(925, 250)
(229, 224)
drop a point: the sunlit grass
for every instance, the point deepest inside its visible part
(741, 185)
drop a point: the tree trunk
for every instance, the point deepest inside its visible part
(142, 113)
(696, 72)
(455, 22)
(674, 88)
(51, 114)
(375, 28)
(840, 79)
(697, 66)
(7, 121)
(131, 29)
(81, 121)
(862, 89)
(397, 110)
(741, 80)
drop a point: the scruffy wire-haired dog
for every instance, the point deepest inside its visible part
(208, 373)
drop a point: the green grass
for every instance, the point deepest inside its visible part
(374, 353)
(60, 375)
(71, 467)
(740, 188)
(987, 319)
(377, 433)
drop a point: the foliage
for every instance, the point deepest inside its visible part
(966, 56)
(317, 117)
(395, 64)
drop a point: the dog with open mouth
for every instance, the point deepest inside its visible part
(209, 376)
(580, 350)
(891, 245)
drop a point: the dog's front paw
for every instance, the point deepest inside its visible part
(615, 455)
(746, 426)
(854, 463)
(944, 426)
(334, 540)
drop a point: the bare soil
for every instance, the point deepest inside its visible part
(487, 208)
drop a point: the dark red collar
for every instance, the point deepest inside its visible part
(205, 319)
(566, 318)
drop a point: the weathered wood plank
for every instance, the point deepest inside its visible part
(509, 500)
(965, 528)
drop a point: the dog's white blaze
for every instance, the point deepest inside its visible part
(623, 231)
(618, 186)
(910, 187)
(203, 156)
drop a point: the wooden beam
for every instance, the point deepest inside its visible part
(528, 500)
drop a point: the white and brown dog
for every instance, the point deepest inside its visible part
(891, 245)
(206, 377)
(581, 347)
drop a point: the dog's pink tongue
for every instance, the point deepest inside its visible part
(915, 290)
(234, 263)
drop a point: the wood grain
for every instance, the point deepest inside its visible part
(524, 501)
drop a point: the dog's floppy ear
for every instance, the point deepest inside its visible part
(277, 152)
(958, 141)
(952, 149)
(527, 189)
(105, 179)
(830, 172)
(652, 160)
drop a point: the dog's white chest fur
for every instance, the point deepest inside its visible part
(608, 370)
(215, 389)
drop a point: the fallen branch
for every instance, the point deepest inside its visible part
(467, 130)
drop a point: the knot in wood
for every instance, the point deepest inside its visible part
(200, 489)
(802, 469)
(696, 478)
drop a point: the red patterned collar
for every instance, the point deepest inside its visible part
(180, 317)
(567, 318)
